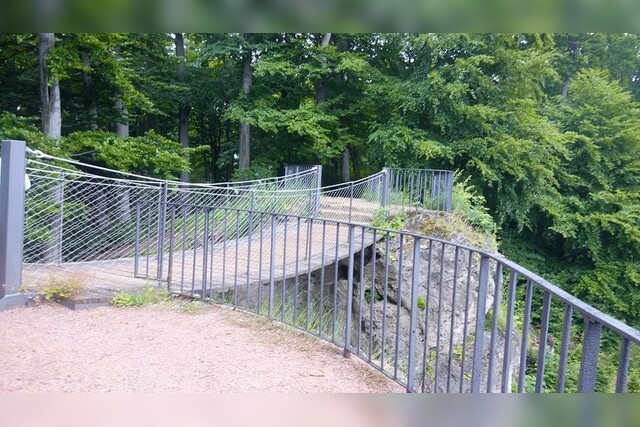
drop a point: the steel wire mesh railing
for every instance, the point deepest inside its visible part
(84, 224)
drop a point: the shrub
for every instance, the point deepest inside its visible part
(471, 205)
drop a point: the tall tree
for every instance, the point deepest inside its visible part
(184, 109)
(51, 112)
(244, 149)
(88, 92)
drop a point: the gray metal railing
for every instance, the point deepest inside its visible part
(433, 315)
(420, 188)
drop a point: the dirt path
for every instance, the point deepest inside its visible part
(165, 349)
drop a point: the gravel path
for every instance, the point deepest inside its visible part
(164, 348)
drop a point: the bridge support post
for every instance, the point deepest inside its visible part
(12, 178)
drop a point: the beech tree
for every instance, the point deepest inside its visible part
(51, 112)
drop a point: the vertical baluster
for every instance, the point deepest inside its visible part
(623, 366)
(494, 326)
(453, 316)
(564, 348)
(506, 362)
(347, 335)
(542, 346)
(525, 337)
(415, 281)
(589, 358)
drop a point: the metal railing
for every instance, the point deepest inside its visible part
(433, 315)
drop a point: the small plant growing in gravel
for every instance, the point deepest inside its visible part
(422, 302)
(137, 299)
(62, 288)
(192, 307)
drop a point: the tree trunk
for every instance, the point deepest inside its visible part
(244, 155)
(321, 92)
(87, 91)
(122, 125)
(345, 164)
(355, 160)
(565, 87)
(183, 113)
(49, 92)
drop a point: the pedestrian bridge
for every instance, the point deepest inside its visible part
(434, 315)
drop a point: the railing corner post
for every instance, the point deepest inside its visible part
(386, 179)
(12, 178)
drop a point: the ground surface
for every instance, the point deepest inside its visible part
(164, 348)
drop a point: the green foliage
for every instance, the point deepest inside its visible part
(257, 170)
(471, 205)
(382, 219)
(377, 297)
(150, 154)
(58, 288)
(422, 302)
(149, 295)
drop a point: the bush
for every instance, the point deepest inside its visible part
(471, 205)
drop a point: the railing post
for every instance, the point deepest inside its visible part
(349, 310)
(449, 196)
(272, 264)
(350, 200)
(386, 181)
(252, 207)
(478, 347)
(162, 215)
(415, 280)
(589, 358)
(316, 202)
(12, 177)
(136, 247)
(61, 214)
(172, 231)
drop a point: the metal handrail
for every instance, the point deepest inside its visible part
(486, 276)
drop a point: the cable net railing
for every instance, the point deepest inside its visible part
(88, 221)
(83, 224)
